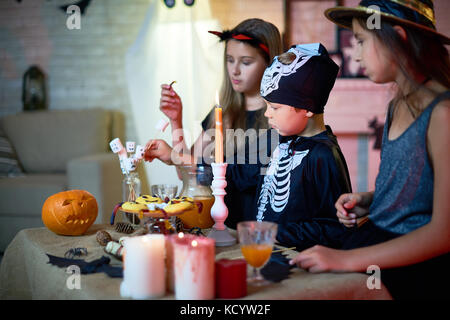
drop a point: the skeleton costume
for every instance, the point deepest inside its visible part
(306, 175)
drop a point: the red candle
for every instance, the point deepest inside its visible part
(231, 278)
(193, 262)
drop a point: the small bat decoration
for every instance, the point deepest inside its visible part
(278, 268)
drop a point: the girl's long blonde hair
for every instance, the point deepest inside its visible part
(233, 102)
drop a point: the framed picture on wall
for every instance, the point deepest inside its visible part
(345, 47)
(347, 44)
(338, 58)
(305, 22)
(344, 55)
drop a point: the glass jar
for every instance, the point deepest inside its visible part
(131, 187)
(131, 190)
(197, 181)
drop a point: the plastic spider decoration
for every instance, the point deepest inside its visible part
(75, 252)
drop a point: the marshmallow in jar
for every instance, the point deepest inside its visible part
(144, 267)
(194, 262)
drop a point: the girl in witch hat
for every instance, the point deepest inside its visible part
(403, 226)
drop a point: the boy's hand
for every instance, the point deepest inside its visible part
(170, 104)
(158, 149)
(352, 207)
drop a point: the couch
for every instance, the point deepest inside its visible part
(58, 150)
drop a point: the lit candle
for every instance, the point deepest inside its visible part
(144, 267)
(194, 261)
(169, 260)
(219, 131)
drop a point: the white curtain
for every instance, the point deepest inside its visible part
(173, 44)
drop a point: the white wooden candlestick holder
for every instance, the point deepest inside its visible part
(219, 211)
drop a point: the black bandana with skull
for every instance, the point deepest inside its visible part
(304, 83)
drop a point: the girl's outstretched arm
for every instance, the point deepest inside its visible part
(171, 105)
(422, 244)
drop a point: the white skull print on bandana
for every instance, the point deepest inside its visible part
(277, 70)
(276, 186)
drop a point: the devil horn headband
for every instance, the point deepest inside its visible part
(226, 35)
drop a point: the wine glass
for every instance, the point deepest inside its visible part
(256, 239)
(165, 191)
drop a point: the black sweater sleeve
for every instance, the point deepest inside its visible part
(329, 179)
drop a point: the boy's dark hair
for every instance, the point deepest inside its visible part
(286, 58)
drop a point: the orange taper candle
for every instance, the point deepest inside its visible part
(219, 135)
(219, 132)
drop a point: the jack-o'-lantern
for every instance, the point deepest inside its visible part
(70, 212)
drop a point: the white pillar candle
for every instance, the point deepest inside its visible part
(170, 276)
(144, 267)
(194, 262)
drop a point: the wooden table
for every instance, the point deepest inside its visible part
(26, 274)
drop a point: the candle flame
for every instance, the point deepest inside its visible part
(180, 235)
(217, 99)
(194, 243)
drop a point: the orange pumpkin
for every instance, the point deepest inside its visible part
(70, 213)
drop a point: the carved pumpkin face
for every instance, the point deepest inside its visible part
(70, 212)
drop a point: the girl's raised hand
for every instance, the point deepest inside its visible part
(170, 104)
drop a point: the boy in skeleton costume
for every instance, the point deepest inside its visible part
(307, 171)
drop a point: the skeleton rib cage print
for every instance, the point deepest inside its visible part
(277, 182)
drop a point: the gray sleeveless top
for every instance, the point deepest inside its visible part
(403, 198)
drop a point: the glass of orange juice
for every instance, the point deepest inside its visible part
(256, 239)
